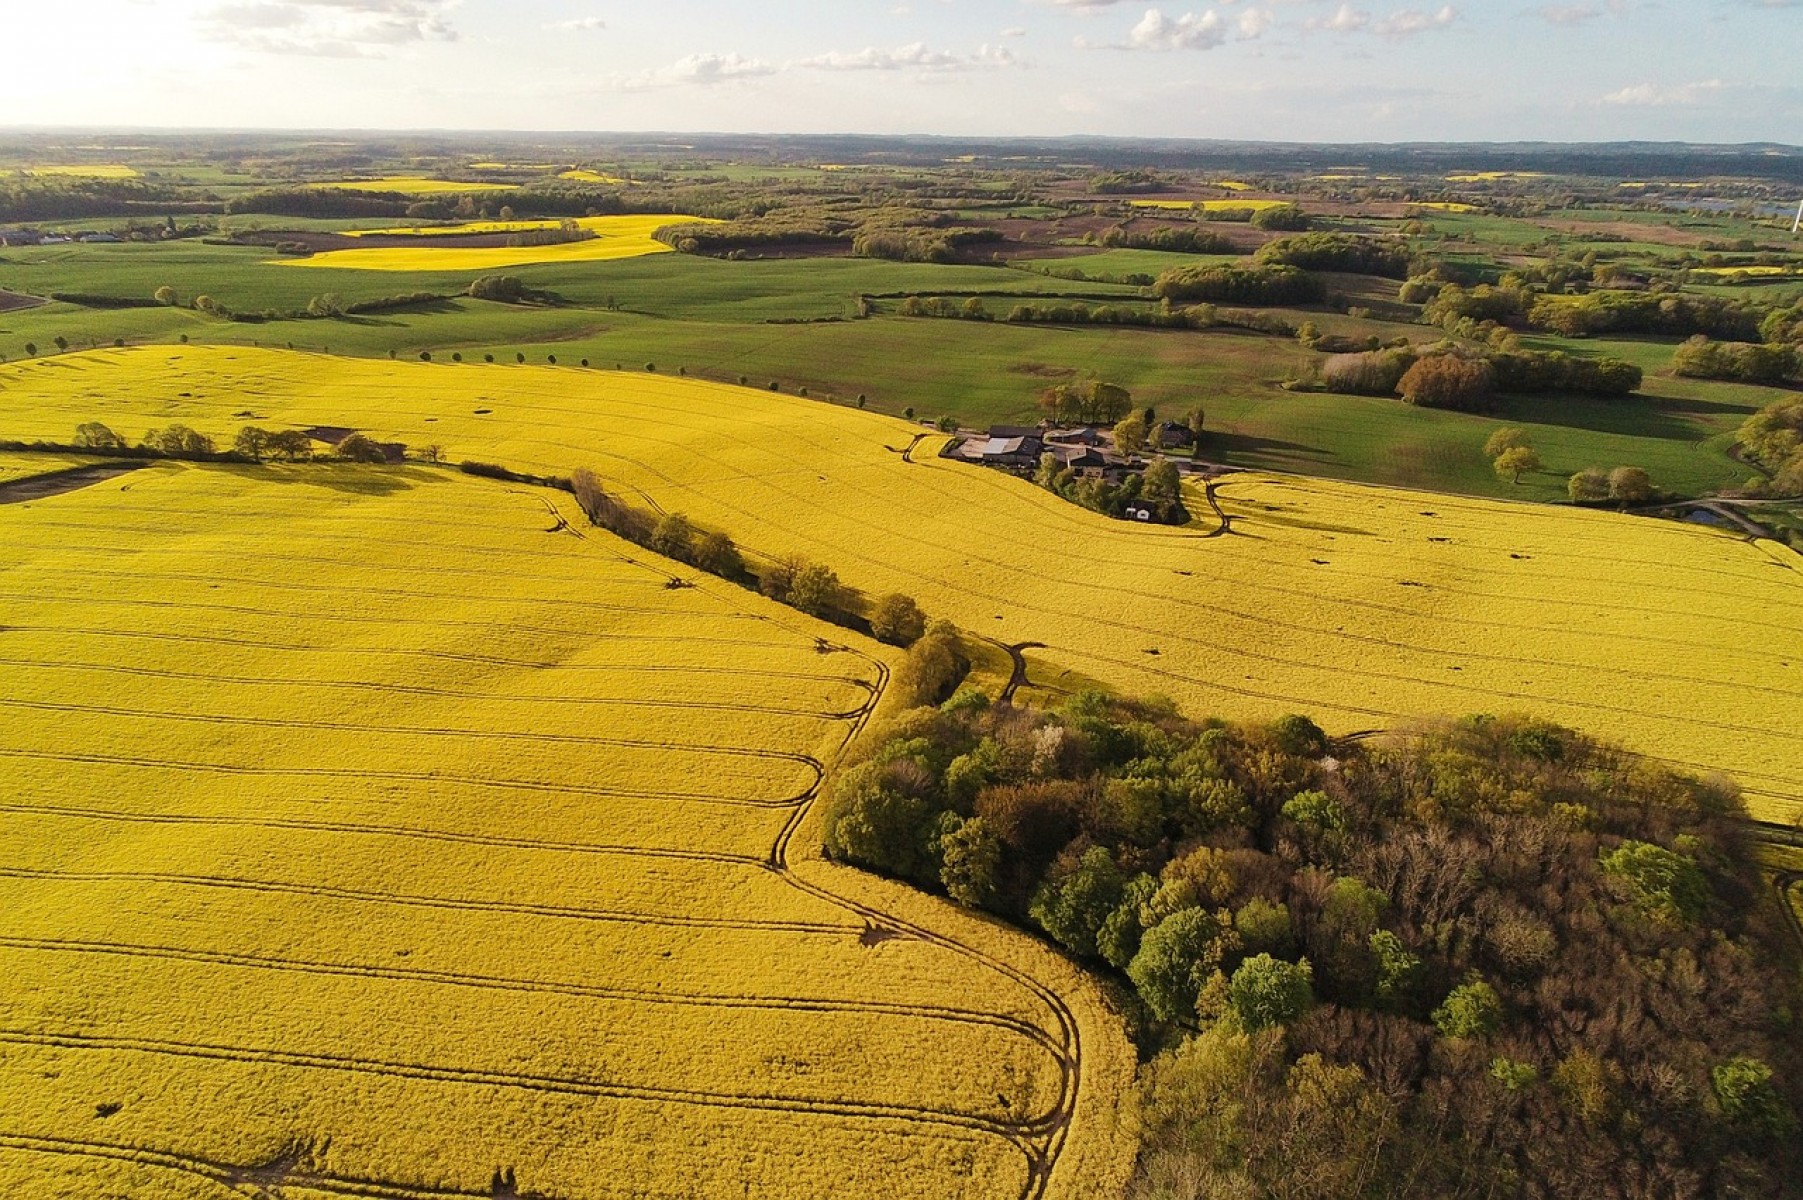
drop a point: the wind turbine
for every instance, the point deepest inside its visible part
(1798, 223)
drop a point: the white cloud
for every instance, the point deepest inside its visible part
(343, 28)
(1654, 95)
(916, 56)
(1402, 23)
(1190, 31)
(1346, 19)
(1015, 31)
(1253, 22)
(1571, 15)
(1407, 22)
(1156, 31)
(578, 24)
(697, 70)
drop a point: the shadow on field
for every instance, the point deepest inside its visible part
(1714, 408)
(1273, 451)
(1631, 417)
(355, 480)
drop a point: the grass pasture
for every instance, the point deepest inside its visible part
(1365, 606)
(377, 832)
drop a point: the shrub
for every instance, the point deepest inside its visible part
(1630, 485)
(1592, 483)
(1447, 381)
(673, 537)
(506, 289)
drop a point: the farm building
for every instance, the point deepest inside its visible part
(1142, 510)
(1076, 458)
(1175, 435)
(19, 237)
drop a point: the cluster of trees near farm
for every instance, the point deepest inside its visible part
(1491, 956)
(1467, 380)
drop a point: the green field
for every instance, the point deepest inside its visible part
(831, 325)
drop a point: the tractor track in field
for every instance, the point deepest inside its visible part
(447, 903)
(1782, 883)
(489, 660)
(356, 685)
(542, 1084)
(1039, 1143)
(287, 1171)
(420, 777)
(500, 983)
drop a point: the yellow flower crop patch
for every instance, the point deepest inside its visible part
(614, 238)
(1367, 607)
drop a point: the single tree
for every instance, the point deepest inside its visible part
(252, 442)
(1512, 463)
(1505, 439)
(166, 296)
(816, 590)
(360, 448)
(92, 435)
(1130, 436)
(291, 444)
(970, 862)
(897, 619)
(1268, 991)
(715, 553)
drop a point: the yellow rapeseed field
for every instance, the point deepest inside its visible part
(1493, 176)
(87, 171)
(1746, 270)
(615, 238)
(1444, 205)
(386, 832)
(412, 185)
(1364, 606)
(582, 176)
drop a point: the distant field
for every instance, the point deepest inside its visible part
(412, 185)
(87, 171)
(1210, 205)
(615, 238)
(1364, 606)
(373, 832)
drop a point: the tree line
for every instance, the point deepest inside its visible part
(806, 586)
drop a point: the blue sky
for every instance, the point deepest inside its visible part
(1303, 70)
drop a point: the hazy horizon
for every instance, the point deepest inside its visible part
(1305, 71)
